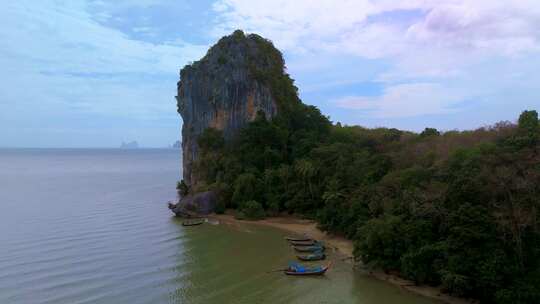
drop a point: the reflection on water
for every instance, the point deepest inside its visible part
(91, 226)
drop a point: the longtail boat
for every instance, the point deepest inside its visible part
(304, 243)
(300, 270)
(298, 239)
(192, 223)
(316, 256)
(309, 248)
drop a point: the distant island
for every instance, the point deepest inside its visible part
(458, 209)
(177, 145)
(129, 145)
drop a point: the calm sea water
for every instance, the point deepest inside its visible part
(91, 226)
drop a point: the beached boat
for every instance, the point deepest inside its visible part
(192, 223)
(309, 248)
(300, 270)
(304, 243)
(298, 239)
(316, 256)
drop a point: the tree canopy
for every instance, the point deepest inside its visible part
(457, 209)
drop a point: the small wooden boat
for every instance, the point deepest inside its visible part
(298, 239)
(303, 243)
(316, 256)
(193, 223)
(309, 248)
(300, 270)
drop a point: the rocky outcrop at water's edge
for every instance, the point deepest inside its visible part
(195, 204)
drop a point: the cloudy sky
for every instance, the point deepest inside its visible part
(94, 73)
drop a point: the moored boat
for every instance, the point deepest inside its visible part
(298, 239)
(304, 243)
(309, 248)
(316, 256)
(300, 270)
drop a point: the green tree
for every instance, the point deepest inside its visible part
(306, 170)
(252, 210)
(245, 189)
(430, 132)
(182, 188)
(211, 140)
(381, 242)
(528, 128)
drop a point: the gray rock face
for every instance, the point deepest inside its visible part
(222, 91)
(199, 203)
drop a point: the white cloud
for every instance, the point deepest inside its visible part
(64, 70)
(421, 41)
(58, 57)
(123, 4)
(67, 57)
(405, 100)
(460, 29)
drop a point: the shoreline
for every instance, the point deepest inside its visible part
(343, 247)
(296, 226)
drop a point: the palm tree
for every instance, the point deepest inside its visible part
(307, 171)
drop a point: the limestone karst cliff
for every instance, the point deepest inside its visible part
(225, 90)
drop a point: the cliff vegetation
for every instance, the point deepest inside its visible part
(456, 209)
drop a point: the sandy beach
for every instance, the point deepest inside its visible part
(341, 246)
(297, 227)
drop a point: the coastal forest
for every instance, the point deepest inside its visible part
(457, 209)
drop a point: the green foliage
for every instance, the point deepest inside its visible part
(456, 284)
(245, 189)
(222, 60)
(421, 265)
(223, 196)
(238, 34)
(528, 121)
(381, 242)
(529, 129)
(252, 210)
(182, 188)
(458, 209)
(430, 132)
(220, 207)
(521, 291)
(211, 140)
